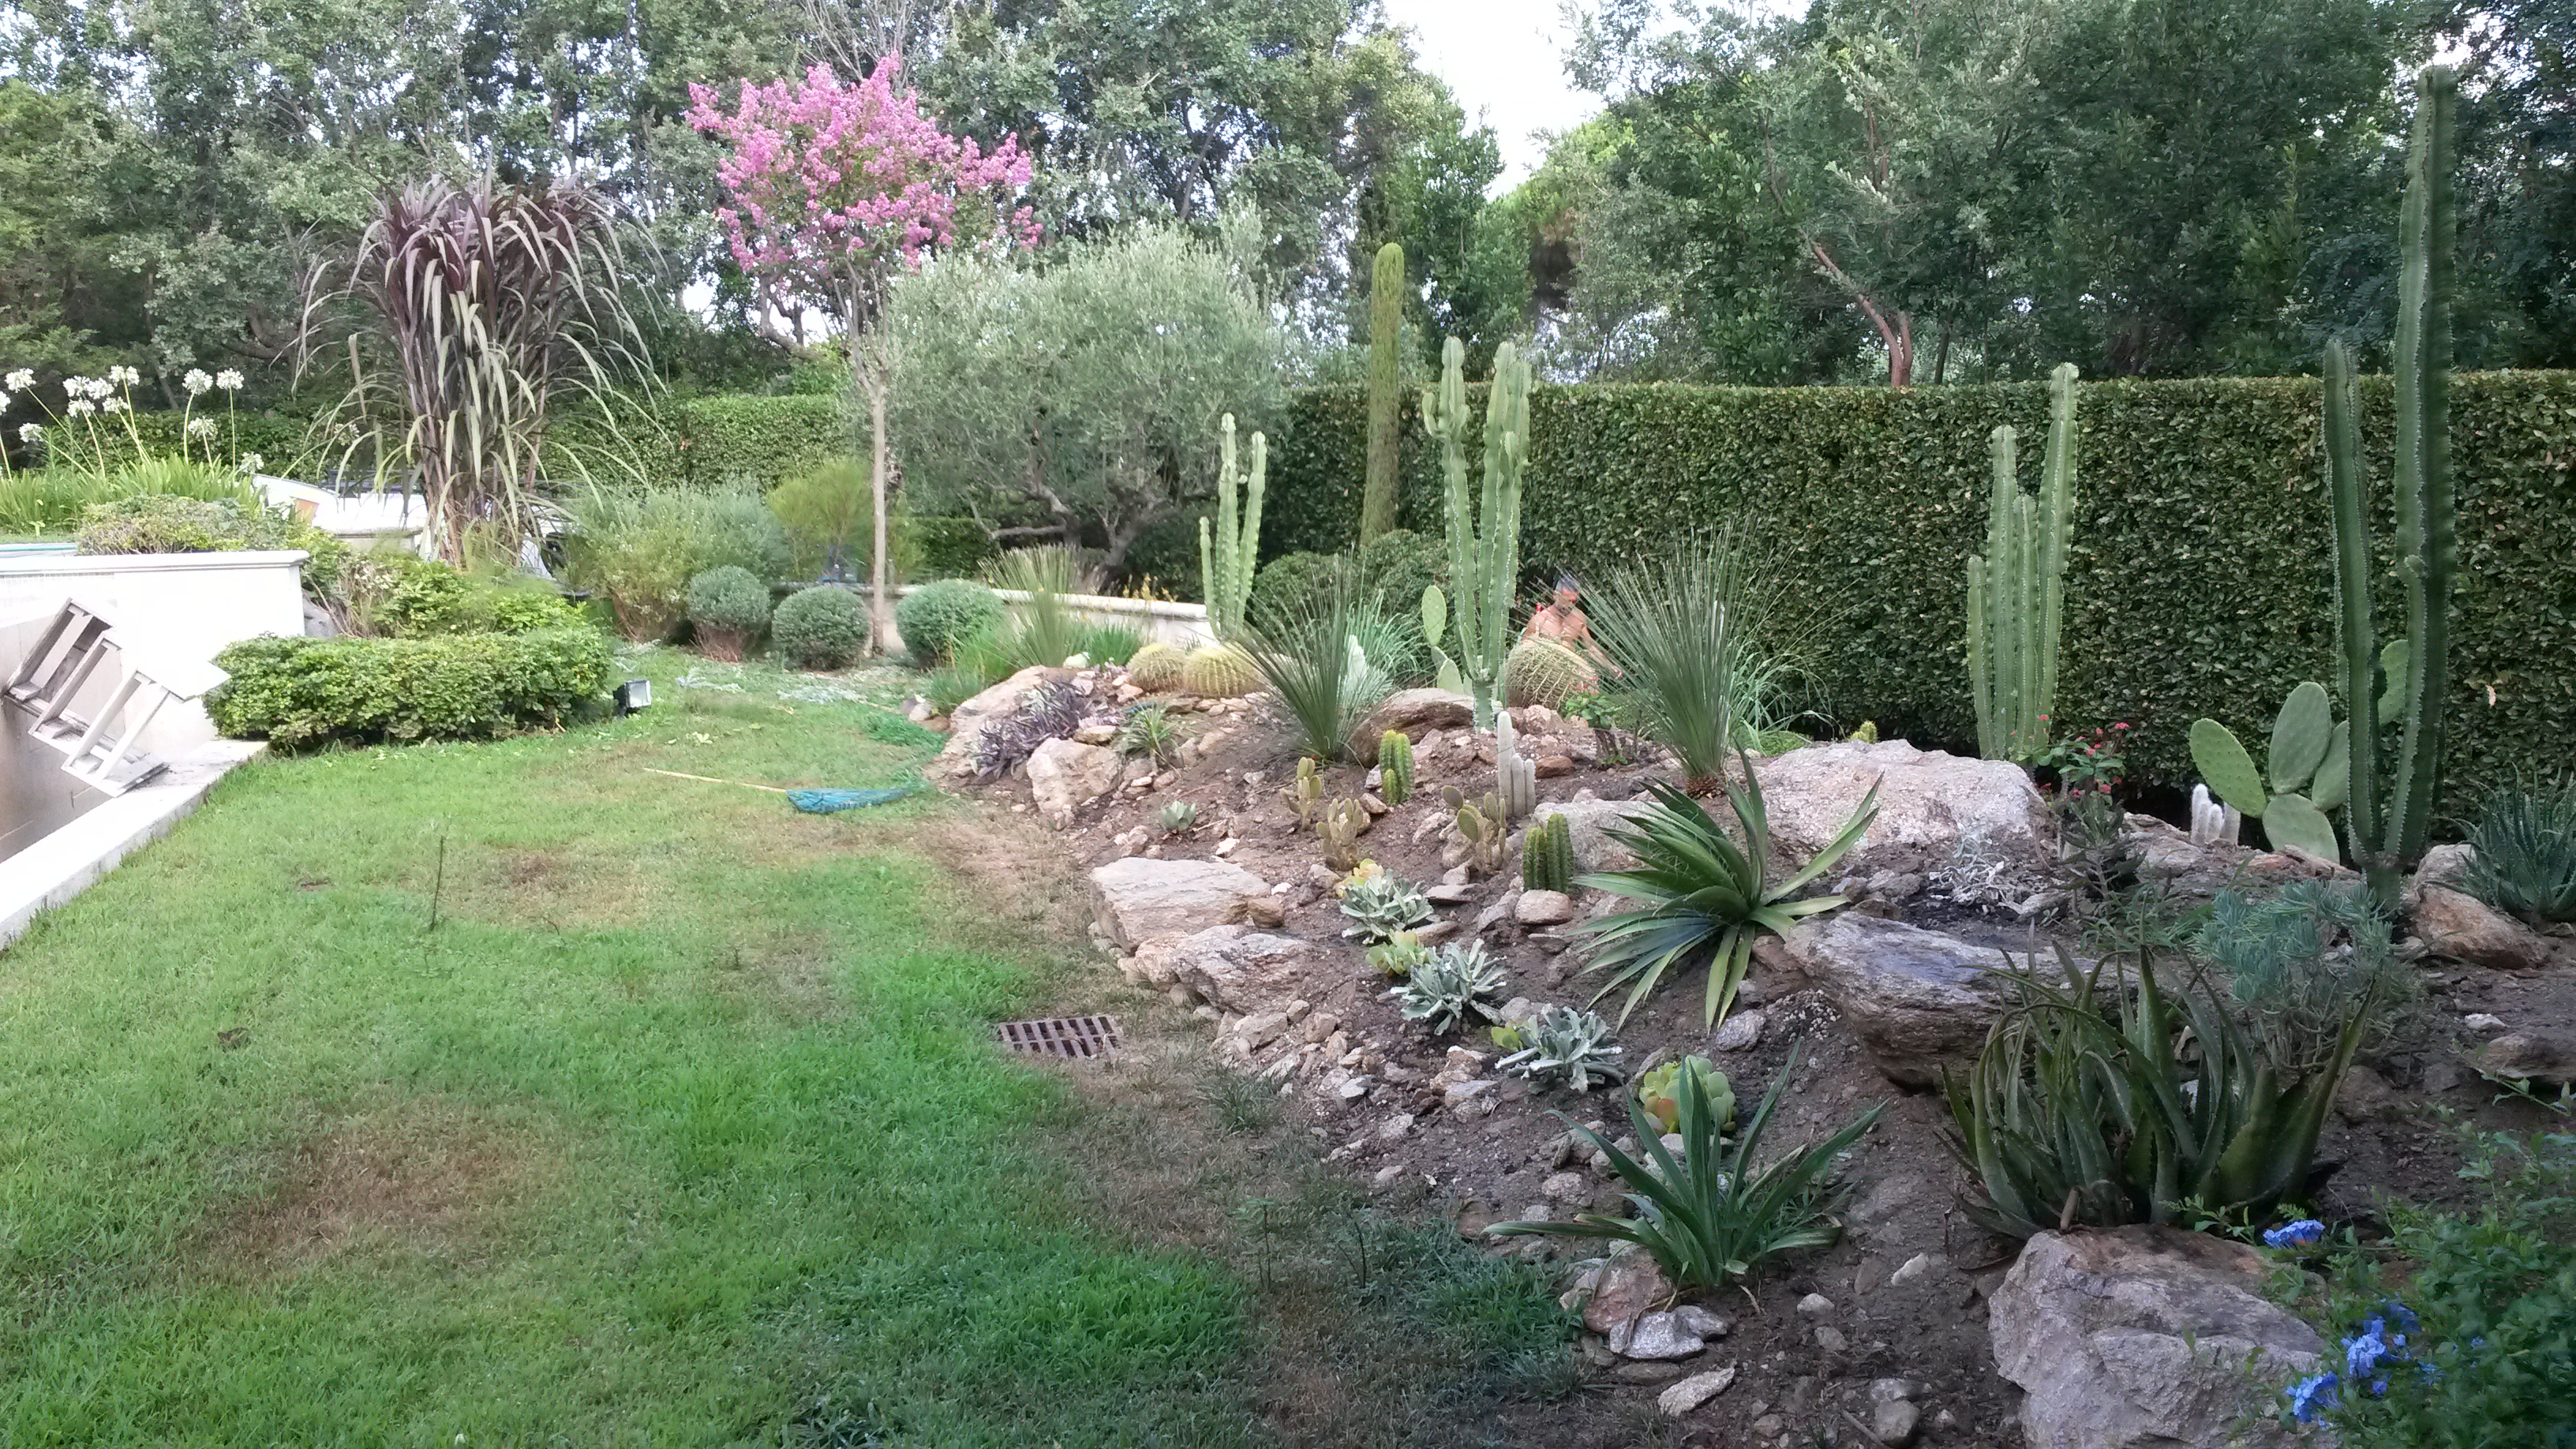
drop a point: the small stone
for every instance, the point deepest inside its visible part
(1449, 895)
(2528, 1055)
(1769, 1424)
(1226, 846)
(1815, 1305)
(1566, 1187)
(2481, 1023)
(1356, 1088)
(1893, 1422)
(1395, 1127)
(1388, 1175)
(1550, 767)
(1741, 1031)
(1654, 1335)
(1700, 1321)
(1917, 1269)
(1372, 805)
(1831, 1340)
(1258, 1031)
(1543, 908)
(1646, 1372)
(1694, 1391)
(1096, 734)
(1459, 1094)
(1883, 1390)
(1454, 876)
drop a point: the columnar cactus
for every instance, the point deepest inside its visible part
(2017, 587)
(1386, 315)
(1547, 855)
(1516, 777)
(1395, 767)
(1484, 543)
(1227, 560)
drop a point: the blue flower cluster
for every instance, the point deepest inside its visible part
(2367, 1358)
(2306, 1232)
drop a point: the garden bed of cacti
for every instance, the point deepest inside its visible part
(1428, 1121)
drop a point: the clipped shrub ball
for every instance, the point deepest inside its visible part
(1544, 672)
(1291, 582)
(935, 618)
(729, 607)
(1156, 668)
(298, 692)
(823, 627)
(1218, 671)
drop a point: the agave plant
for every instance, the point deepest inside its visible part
(1449, 985)
(2525, 841)
(488, 304)
(1566, 1045)
(1381, 905)
(1705, 898)
(1709, 1213)
(2097, 1104)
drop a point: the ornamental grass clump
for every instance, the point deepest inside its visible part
(1327, 656)
(1704, 899)
(728, 608)
(1714, 1211)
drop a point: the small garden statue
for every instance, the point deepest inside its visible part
(1561, 619)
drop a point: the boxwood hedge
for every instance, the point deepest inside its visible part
(2199, 582)
(297, 692)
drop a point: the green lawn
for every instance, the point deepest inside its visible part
(680, 1126)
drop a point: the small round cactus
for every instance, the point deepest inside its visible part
(1156, 668)
(1544, 672)
(1219, 671)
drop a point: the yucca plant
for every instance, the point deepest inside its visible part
(1709, 1214)
(1706, 899)
(485, 306)
(1329, 656)
(2097, 1103)
(1686, 637)
(1149, 730)
(2526, 852)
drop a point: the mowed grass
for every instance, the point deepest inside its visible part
(680, 1126)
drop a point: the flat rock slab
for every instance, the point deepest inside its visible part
(1140, 898)
(2140, 1338)
(2464, 928)
(1235, 969)
(1411, 711)
(1686, 1396)
(1930, 804)
(1917, 999)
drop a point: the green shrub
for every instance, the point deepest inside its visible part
(740, 443)
(823, 627)
(639, 549)
(396, 593)
(1399, 564)
(1293, 581)
(2525, 839)
(936, 617)
(729, 598)
(946, 548)
(303, 692)
(829, 514)
(2199, 585)
(178, 523)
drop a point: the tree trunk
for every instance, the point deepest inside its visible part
(880, 608)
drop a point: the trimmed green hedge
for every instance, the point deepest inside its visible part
(2199, 582)
(302, 692)
(736, 440)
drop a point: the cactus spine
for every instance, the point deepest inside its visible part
(1226, 561)
(1484, 544)
(1386, 313)
(1547, 856)
(2017, 587)
(1395, 767)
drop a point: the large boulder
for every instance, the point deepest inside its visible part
(1233, 968)
(1586, 829)
(2145, 1338)
(2464, 928)
(1411, 711)
(966, 722)
(1917, 999)
(1928, 804)
(1065, 775)
(1141, 898)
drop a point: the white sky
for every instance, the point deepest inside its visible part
(1503, 59)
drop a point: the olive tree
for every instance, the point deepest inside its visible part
(1078, 402)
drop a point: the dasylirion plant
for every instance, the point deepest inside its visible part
(1230, 547)
(2017, 587)
(1484, 534)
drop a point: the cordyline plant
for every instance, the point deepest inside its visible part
(832, 187)
(486, 304)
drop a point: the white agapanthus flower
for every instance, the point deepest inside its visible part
(201, 427)
(196, 382)
(252, 462)
(22, 380)
(30, 433)
(123, 376)
(113, 405)
(4, 402)
(230, 379)
(79, 407)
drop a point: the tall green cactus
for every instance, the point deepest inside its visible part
(2017, 587)
(1547, 855)
(1484, 544)
(1386, 315)
(1395, 767)
(1226, 561)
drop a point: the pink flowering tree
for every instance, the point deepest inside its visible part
(830, 188)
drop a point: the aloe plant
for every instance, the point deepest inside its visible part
(1705, 898)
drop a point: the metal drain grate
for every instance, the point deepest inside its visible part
(1061, 1036)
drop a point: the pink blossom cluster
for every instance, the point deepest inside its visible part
(827, 178)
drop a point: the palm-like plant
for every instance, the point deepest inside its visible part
(2077, 1112)
(1709, 1214)
(1705, 898)
(487, 304)
(1685, 637)
(1330, 657)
